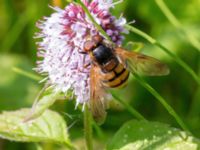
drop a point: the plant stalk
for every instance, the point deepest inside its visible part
(27, 74)
(170, 110)
(88, 128)
(130, 109)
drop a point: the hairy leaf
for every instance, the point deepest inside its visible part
(144, 135)
(49, 127)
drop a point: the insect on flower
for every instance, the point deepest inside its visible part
(76, 57)
(110, 66)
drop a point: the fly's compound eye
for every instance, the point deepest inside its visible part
(97, 38)
(89, 46)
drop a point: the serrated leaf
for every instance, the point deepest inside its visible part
(49, 127)
(144, 135)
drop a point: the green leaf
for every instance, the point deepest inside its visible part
(49, 127)
(139, 135)
(46, 98)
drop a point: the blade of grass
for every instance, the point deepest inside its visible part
(130, 109)
(16, 30)
(177, 59)
(170, 110)
(175, 22)
(98, 130)
(27, 74)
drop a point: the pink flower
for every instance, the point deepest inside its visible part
(63, 35)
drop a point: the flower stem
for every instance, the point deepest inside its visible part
(134, 112)
(162, 101)
(98, 130)
(88, 128)
(174, 21)
(177, 59)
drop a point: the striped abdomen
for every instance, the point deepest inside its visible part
(113, 72)
(116, 77)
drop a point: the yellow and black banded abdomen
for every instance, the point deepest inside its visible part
(115, 78)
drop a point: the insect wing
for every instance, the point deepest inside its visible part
(142, 64)
(97, 96)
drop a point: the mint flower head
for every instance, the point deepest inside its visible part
(63, 35)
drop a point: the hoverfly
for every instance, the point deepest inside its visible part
(110, 68)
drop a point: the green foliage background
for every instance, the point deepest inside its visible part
(18, 49)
